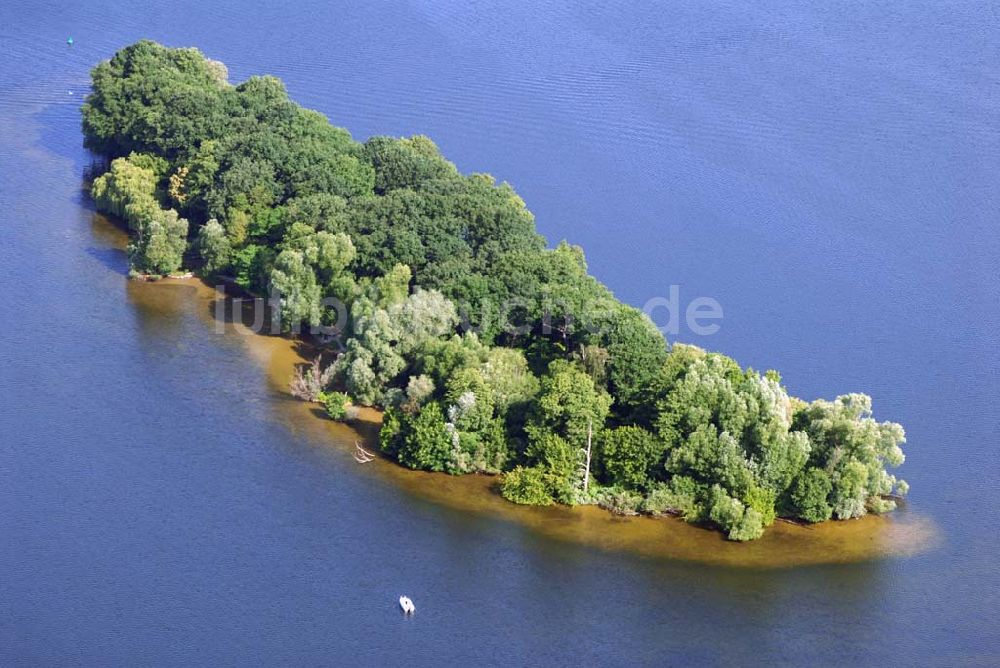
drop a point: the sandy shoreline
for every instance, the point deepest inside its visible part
(901, 533)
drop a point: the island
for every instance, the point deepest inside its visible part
(434, 299)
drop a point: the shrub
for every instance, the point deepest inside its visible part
(619, 501)
(336, 405)
(749, 527)
(526, 486)
(878, 505)
(681, 496)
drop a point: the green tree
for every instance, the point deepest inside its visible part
(121, 186)
(561, 462)
(384, 338)
(854, 450)
(328, 254)
(567, 410)
(394, 286)
(406, 163)
(159, 244)
(295, 283)
(152, 99)
(629, 456)
(810, 495)
(427, 444)
(636, 352)
(682, 496)
(569, 405)
(418, 390)
(128, 191)
(214, 248)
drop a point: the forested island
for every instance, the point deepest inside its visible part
(439, 302)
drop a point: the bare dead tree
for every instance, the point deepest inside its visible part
(361, 455)
(587, 455)
(310, 380)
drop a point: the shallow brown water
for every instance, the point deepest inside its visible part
(785, 544)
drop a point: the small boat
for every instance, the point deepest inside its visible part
(70, 41)
(407, 605)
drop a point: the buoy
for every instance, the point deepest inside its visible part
(70, 41)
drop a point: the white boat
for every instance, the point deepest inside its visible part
(406, 604)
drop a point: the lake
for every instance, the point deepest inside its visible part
(826, 173)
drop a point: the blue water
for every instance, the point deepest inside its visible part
(826, 171)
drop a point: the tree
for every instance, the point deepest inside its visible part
(682, 495)
(560, 461)
(149, 98)
(295, 283)
(567, 409)
(128, 191)
(594, 360)
(588, 455)
(636, 352)
(214, 248)
(629, 456)
(810, 495)
(121, 186)
(328, 254)
(394, 286)
(505, 372)
(568, 404)
(406, 163)
(442, 358)
(252, 267)
(427, 444)
(321, 211)
(418, 390)
(854, 450)
(158, 247)
(384, 338)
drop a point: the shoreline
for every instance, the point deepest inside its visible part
(785, 545)
(490, 348)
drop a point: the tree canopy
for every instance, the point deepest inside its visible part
(489, 350)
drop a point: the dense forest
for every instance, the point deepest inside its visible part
(488, 350)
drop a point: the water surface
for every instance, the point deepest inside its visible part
(827, 173)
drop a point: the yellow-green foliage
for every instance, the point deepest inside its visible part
(128, 191)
